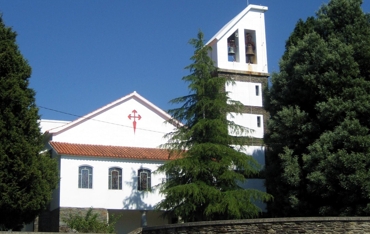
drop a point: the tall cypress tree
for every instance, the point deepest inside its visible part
(204, 180)
(26, 176)
(319, 144)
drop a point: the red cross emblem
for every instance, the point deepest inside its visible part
(138, 117)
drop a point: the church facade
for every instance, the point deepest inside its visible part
(106, 159)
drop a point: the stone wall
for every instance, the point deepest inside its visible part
(253, 77)
(66, 212)
(33, 233)
(27, 232)
(310, 225)
(53, 221)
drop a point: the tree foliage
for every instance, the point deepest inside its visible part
(319, 144)
(90, 223)
(26, 176)
(204, 181)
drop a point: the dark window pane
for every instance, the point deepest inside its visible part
(90, 180)
(144, 180)
(85, 178)
(114, 179)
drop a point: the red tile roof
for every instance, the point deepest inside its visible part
(104, 151)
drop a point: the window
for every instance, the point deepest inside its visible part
(232, 47)
(85, 177)
(257, 90)
(115, 178)
(250, 46)
(144, 179)
(259, 121)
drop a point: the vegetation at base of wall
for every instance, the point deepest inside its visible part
(204, 181)
(318, 162)
(90, 223)
(27, 177)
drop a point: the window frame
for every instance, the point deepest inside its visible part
(148, 183)
(233, 43)
(89, 183)
(118, 180)
(251, 39)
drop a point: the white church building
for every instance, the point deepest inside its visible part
(106, 158)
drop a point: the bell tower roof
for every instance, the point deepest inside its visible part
(240, 45)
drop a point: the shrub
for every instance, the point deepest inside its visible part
(90, 223)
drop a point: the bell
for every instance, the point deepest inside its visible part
(249, 50)
(231, 50)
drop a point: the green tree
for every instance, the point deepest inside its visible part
(27, 176)
(318, 161)
(204, 180)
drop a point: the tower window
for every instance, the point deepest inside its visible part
(232, 47)
(257, 90)
(259, 121)
(250, 46)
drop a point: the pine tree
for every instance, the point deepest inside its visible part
(26, 176)
(318, 161)
(204, 180)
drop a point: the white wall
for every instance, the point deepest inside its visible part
(100, 196)
(48, 124)
(253, 20)
(249, 121)
(128, 198)
(113, 127)
(245, 92)
(258, 153)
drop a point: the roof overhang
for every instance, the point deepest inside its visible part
(104, 151)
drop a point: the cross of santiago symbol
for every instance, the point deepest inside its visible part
(138, 117)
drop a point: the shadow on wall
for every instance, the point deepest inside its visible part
(259, 156)
(136, 198)
(257, 183)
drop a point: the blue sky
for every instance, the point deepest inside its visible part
(86, 54)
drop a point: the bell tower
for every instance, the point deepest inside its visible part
(239, 52)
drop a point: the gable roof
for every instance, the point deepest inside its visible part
(48, 124)
(234, 21)
(103, 151)
(91, 115)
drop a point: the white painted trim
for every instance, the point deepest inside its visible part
(234, 21)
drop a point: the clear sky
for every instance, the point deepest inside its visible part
(85, 54)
